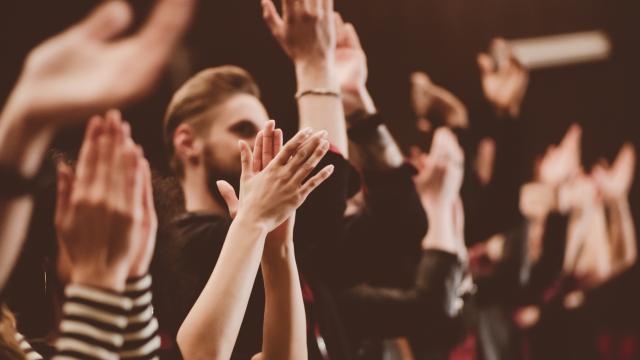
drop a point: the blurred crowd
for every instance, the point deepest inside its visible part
(330, 243)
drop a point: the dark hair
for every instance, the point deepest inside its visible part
(206, 89)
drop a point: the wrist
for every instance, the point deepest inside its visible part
(358, 101)
(316, 74)
(24, 142)
(276, 253)
(108, 277)
(252, 223)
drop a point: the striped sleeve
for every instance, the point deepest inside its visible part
(29, 353)
(93, 323)
(141, 339)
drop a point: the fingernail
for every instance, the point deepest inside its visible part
(307, 131)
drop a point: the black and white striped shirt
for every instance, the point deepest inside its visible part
(100, 324)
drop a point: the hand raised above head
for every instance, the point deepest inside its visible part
(562, 163)
(614, 183)
(305, 31)
(504, 78)
(90, 67)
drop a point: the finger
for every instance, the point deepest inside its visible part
(352, 38)
(104, 165)
(88, 151)
(278, 139)
(272, 18)
(228, 193)
(64, 188)
(316, 181)
(311, 163)
(328, 6)
(292, 146)
(108, 20)
(257, 152)
(341, 34)
(149, 207)
(246, 158)
(114, 118)
(288, 8)
(267, 152)
(305, 151)
(315, 7)
(126, 130)
(486, 64)
(166, 25)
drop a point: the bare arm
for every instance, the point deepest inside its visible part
(284, 313)
(622, 233)
(307, 33)
(210, 329)
(269, 198)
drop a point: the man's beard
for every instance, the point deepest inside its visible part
(215, 173)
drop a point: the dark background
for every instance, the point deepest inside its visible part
(440, 37)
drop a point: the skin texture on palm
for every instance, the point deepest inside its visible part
(272, 188)
(71, 76)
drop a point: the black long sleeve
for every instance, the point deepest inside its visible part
(427, 308)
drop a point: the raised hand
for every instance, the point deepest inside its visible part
(90, 67)
(615, 182)
(99, 212)
(430, 100)
(537, 200)
(504, 79)
(351, 65)
(441, 171)
(562, 163)
(268, 144)
(272, 195)
(306, 31)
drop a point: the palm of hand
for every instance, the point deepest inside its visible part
(78, 78)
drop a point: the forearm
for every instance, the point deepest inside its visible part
(322, 112)
(211, 327)
(441, 234)
(284, 318)
(21, 150)
(623, 234)
(432, 304)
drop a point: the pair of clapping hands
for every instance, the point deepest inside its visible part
(105, 214)
(562, 184)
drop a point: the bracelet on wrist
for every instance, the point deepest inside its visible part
(318, 92)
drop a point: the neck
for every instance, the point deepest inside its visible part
(197, 196)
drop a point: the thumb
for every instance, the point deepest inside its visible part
(486, 64)
(107, 21)
(271, 17)
(229, 196)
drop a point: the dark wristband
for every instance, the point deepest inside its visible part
(363, 125)
(14, 185)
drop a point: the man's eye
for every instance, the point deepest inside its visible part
(244, 129)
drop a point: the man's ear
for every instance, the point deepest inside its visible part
(188, 146)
